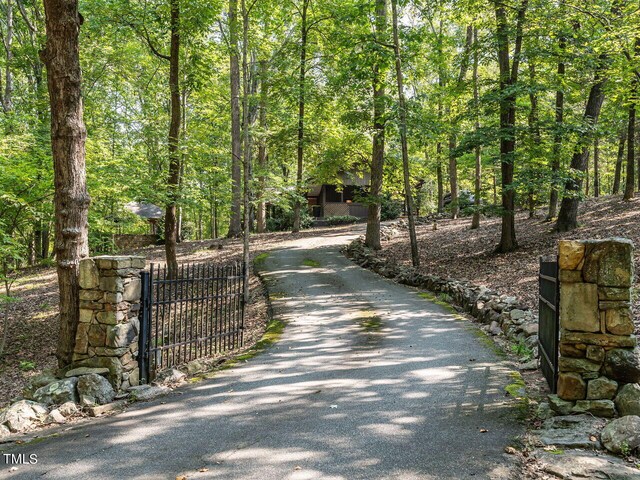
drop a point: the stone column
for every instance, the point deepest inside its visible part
(596, 326)
(107, 335)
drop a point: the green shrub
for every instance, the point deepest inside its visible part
(390, 209)
(341, 219)
(284, 221)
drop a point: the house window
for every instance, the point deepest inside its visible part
(332, 195)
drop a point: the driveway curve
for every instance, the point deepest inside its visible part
(369, 381)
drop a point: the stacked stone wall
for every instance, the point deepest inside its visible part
(107, 335)
(597, 344)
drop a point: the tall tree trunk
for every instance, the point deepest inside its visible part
(247, 151)
(631, 140)
(262, 148)
(439, 178)
(596, 168)
(7, 99)
(171, 225)
(568, 216)
(236, 135)
(475, 222)
(558, 135)
(402, 114)
(68, 135)
(508, 79)
(372, 238)
(297, 211)
(619, 160)
(534, 127)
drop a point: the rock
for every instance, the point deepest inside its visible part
(95, 390)
(578, 365)
(628, 400)
(530, 365)
(144, 393)
(579, 307)
(55, 417)
(88, 275)
(37, 381)
(544, 411)
(68, 409)
(619, 322)
(22, 415)
(609, 263)
(622, 435)
(4, 431)
(569, 350)
(77, 372)
(602, 388)
(561, 407)
(602, 340)
(570, 254)
(58, 392)
(169, 376)
(195, 366)
(572, 431)
(599, 408)
(516, 314)
(583, 464)
(109, 407)
(595, 354)
(622, 365)
(571, 386)
(494, 328)
(614, 294)
(530, 329)
(571, 276)
(120, 335)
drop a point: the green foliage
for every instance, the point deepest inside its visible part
(283, 221)
(26, 365)
(342, 220)
(390, 208)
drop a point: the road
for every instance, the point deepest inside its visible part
(368, 381)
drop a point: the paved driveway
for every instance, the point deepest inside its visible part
(368, 381)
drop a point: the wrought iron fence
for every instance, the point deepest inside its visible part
(198, 313)
(548, 328)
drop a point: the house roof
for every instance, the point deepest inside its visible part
(144, 210)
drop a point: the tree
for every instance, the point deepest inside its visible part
(372, 238)
(402, 126)
(236, 135)
(508, 79)
(68, 134)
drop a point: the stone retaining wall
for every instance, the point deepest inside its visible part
(107, 335)
(597, 345)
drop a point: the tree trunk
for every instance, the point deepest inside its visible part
(596, 168)
(558, 135)
(7, 99)
(453, 178)
(631, 137)
(475, 222)
(297, 211)
(68, 135)
(619, 159)
(568, 216)
(439, 178)
(508, 79)
(262, 148)
(236, 135)
(173, 180)
(247, 151)
(402, 114)
(372, 238)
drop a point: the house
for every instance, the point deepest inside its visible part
(337, 200)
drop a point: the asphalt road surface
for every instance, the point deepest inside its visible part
(368, 381)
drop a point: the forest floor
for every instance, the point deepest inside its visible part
(455, 251)
(33, 319)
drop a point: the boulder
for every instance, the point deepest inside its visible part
(622, 365)
(579, 307)
(570, 254)
(572, 431)
(68, 409)
(609, 263)
(144, 393)
(169, 376)
(77, 372)
(561, 407)
(628, 400)
(622, 435)
(22, 416)
(571, 386)
(55, 417)
(58, 392)
(94, 389)
(40, 380)
(584, 464)
(599, 408)
(602, 388)
(4, 432)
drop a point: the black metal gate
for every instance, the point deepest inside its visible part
(199, 313)
(548, 328)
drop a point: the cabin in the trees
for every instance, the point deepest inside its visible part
(342, 199)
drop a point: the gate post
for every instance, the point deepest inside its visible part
(596, 327)
(107, 336)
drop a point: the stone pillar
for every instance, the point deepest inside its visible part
(596, 326)
(107, 335)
